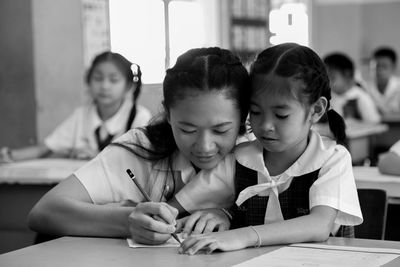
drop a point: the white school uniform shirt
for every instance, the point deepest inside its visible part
(395, 148)
(335, 186)
(77, 132)
(365, 105)
(389, 101)
(106, 180)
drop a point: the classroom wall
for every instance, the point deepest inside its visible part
(41, 75)
(355, 27)
(17, 93)
(58, 61)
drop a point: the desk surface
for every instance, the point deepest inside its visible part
(358, 130)
(391, 118)
(38, 171)
(98, 252)
(370, 177)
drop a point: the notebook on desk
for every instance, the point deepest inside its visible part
(319, 255)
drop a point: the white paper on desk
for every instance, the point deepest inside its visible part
(318, 256)
(171, 243)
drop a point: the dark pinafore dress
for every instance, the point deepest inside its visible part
(294, 201)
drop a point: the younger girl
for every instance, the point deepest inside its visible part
(292, 185)
(206, 103)
(112, 112)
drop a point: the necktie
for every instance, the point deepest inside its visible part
(102, 137)
(273, 212)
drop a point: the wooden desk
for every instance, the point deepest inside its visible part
(22, 184)
(387, 139)
(370, 177)
(98, 252)
(361, 139)
(38, 171)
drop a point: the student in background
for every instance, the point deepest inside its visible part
(206, 103)
(389, 162)
(114, 85)
(348, 98)
(385, 87)
(292, 185)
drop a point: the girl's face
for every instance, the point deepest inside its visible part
(107, 84)
(280, 123)
(205, 127)
(339, 83)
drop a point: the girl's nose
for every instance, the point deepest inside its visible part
(105, 85)
(267, 124)
(205, 143)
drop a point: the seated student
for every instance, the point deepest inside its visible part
(206, 103)
(389, 162)
(385, 86)
(114, 85)
(348, 98)
(291, 184)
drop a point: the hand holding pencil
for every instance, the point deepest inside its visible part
(152, 222)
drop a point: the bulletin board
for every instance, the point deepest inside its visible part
(96, 28)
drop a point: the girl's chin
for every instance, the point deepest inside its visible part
(205, 165)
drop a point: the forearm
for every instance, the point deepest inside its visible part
(29, 152)
(308, 228)
(71, 217)
(389, 163)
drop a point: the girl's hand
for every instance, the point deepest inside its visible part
(207, 243)
(143, 226)
(204, 221)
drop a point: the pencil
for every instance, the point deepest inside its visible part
(146, 196)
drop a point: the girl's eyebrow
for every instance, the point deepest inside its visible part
(214, 126)
(278, 106)
(281, 106)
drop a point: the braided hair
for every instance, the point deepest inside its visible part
(300, 62)
(203, 70)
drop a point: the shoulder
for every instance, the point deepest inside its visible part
(135, 136)
(143, 111)
(396, 148)
(339, 155)
(143, 116)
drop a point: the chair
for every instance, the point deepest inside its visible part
(374, 206)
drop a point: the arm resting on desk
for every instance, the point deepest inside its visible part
(68, 210)
(314, 227)
(31, 152)
(389, 163)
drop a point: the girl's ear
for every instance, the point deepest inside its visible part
(318, 109)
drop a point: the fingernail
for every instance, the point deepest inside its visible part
(171, 229)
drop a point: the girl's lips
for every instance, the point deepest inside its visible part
(205, 158)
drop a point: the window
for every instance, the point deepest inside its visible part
(288, 22)
(153, 33)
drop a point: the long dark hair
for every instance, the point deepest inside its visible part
(293, 60)
(203, 70)
(130, 71)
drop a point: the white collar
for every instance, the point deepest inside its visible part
(319, 149)
(117, 123)
(179, 163)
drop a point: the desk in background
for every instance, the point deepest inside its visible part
(361, 139)
(385, 140)
(370, 177)
(99, 252)
(22, 184)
